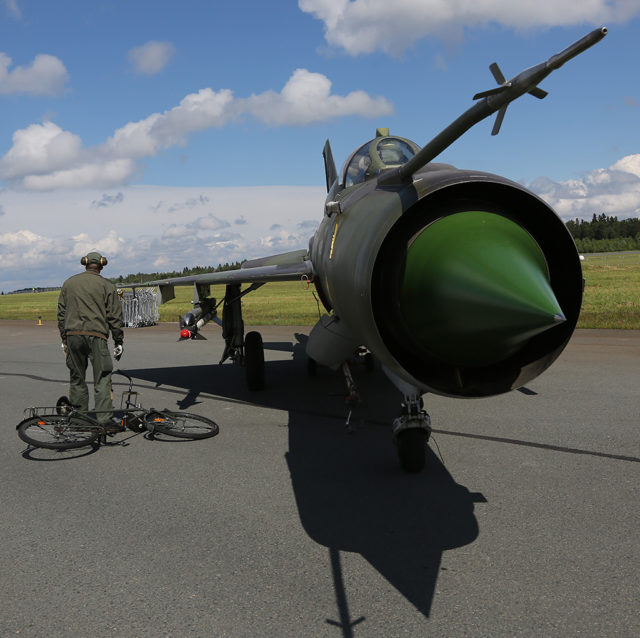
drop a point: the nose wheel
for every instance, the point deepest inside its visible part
(412, 449)
(411, 431)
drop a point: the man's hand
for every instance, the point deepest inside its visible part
(63, 345)
(117, 351)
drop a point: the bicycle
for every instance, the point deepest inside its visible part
(64, 427)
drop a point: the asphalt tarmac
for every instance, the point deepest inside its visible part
(526, 522)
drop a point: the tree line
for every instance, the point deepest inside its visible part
(605, 234)
(142, 277)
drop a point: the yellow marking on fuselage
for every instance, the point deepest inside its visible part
(333, 239)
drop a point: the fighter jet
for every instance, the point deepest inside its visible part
(459, 282)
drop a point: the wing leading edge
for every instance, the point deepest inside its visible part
(289, 266)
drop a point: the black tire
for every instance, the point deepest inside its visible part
(369, 362)
(58, 432)
(312, 367)
(254, 360)
(181, 424)
(412, 449)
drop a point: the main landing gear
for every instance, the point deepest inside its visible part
(246, 350)
(254, 360)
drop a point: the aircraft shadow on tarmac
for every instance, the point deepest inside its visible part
(350, 492)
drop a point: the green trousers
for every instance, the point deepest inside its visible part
(80, 350)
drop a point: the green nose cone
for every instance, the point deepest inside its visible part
(476, 288)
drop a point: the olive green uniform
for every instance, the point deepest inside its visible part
(88, 309)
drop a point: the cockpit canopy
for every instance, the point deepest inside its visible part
(380, 153)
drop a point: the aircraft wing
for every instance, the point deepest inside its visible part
(289, 266)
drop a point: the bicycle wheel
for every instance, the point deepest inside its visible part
(181, 424)
(58, 432)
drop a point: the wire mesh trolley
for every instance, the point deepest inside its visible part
(140, 307)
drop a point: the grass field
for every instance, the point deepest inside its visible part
(275, 304)
(612, 291)
(611, 299)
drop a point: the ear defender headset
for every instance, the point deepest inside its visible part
(94, 258)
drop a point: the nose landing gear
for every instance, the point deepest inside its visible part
(411, 431)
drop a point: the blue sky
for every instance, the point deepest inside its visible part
(169, 134)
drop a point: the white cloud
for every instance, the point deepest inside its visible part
(44, 156)
(364, 26)
(111, 244)
(280, 240)
(40, 149)
(196, 112)
(614, 191)
(45, 233)
(28, 250)
(629, 164)
(152, 57)
(25, 247)
(97, 175)
(202, 227)
(46, 75)
(19, 239)
(306, 98)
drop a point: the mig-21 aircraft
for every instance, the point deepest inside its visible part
(458, 282)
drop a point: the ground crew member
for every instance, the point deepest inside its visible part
(88, 309)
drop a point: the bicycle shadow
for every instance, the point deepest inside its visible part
(42, 454)
(350, 492)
